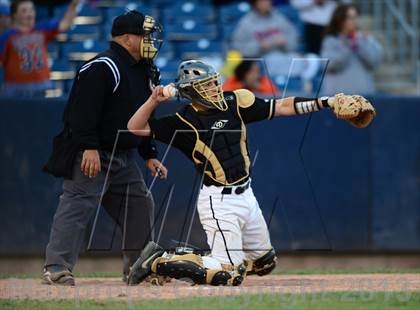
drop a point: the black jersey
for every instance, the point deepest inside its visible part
(108, 89)
(215, 140)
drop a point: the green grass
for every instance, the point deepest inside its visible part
(278, 271)
(319, 301)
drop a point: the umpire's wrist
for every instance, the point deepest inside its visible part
(146, 155)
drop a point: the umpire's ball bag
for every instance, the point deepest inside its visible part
(65, 149)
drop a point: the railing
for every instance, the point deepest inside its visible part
(398, 20)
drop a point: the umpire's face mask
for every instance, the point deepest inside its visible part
(151, 43)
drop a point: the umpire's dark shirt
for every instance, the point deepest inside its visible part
(106, 92)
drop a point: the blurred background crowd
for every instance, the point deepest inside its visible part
(272, 47)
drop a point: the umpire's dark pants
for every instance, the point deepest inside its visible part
(120, 189)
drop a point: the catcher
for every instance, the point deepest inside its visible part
(211, 132)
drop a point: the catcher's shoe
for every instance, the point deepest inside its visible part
(62, 277)
(141, 269)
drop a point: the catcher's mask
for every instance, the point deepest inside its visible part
(200, 83)
(134, 22)
(151, 42)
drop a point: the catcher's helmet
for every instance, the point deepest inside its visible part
(200, 83)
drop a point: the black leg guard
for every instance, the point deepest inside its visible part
(190, 266)
(221, 278)
(142, 267)
(263, 265)
(182, 269)
(235, 277)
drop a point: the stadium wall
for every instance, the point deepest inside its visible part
(322, 184)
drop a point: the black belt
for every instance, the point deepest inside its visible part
(238, 190)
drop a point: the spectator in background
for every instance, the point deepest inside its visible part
(264, 32)
(248, 75)
(23, 49)
(4, 16)
(316, 15)
(352, 54)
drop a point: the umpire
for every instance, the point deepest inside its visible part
(98, 164)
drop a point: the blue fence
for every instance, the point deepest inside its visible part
(322, 184)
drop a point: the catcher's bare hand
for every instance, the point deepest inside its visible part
(91, 163)
(157, 94)
(156, 168)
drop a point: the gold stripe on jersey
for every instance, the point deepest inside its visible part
(211, 157)
(244, 98)
(244, 147)
(202, 148)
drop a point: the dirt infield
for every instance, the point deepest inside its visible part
(113, 288)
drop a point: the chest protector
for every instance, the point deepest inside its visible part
(221, 150)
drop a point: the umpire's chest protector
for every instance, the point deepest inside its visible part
(220, 151)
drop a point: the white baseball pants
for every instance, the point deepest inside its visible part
(234, 224)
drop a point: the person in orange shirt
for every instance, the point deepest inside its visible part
(248, 75)
(23, 49)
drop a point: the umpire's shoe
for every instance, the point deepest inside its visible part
(129, 259)
(141, 269)
(57, 275)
